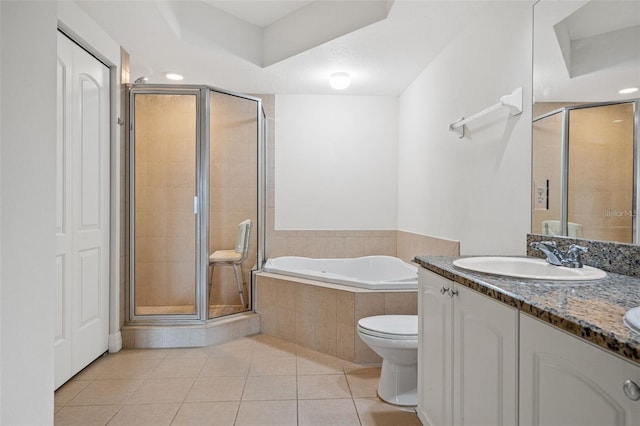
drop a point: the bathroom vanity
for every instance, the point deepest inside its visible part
(506, 351)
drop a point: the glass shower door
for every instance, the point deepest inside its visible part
(600, 192)
(546, 175)
(163, 221)
(233, 199)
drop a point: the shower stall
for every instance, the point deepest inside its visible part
(585, 171)
(195, 171)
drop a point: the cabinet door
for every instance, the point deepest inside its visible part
(566, 381)
(435, 376)
(485, 356)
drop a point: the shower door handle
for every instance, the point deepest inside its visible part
(195, 205)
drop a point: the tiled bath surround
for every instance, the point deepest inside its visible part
(619, 258)
(323, 317)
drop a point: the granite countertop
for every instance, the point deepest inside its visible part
(591, 310)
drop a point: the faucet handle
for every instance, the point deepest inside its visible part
(537, 244)
(578, 249)
(574, 256)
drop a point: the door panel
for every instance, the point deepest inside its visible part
(63, 208)
(89, 295)
(90, 163)
(82, 289)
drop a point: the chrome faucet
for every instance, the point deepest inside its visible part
(550, 249)
(572, 258)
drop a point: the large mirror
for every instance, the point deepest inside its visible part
(586, 75)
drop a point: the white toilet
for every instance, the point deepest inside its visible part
(395, 339)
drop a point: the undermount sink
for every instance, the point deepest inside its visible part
(530, 268)
(632, 319)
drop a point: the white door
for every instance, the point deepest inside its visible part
(82, 219)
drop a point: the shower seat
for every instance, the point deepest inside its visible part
(234, 257)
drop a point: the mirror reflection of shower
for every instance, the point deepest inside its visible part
(195, 158)
(585, 173)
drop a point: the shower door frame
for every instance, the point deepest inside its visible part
(564, 161)
(201, 199)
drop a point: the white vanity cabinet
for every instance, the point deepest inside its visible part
(467, 356)
(566, 381)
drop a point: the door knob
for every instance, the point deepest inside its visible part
(443, 290)
(631, 390)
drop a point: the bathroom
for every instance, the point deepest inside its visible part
(429, 187)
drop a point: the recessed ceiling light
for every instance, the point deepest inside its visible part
(173, 76)
(339, 80)
(628, 90)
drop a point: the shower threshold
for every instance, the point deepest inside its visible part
(211, 332)
(215, 311)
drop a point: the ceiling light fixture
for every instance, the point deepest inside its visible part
(339, 80)
(173, 76)
(628, 90)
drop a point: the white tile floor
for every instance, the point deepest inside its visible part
(258, 380)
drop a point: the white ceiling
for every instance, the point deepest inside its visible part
(261, 13)
(382, 44)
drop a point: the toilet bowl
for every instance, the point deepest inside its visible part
(395, 339)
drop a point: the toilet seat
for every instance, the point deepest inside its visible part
(395, 327)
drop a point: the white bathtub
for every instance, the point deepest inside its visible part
(370, 272)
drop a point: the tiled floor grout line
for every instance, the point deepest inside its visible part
(190, 388)
(353, 401)
(297, 390)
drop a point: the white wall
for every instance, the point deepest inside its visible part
(27, 212)
(336, 162)
(477, 189)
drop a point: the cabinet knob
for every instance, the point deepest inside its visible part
(452, 292)
(443, 290)
(631, 390)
